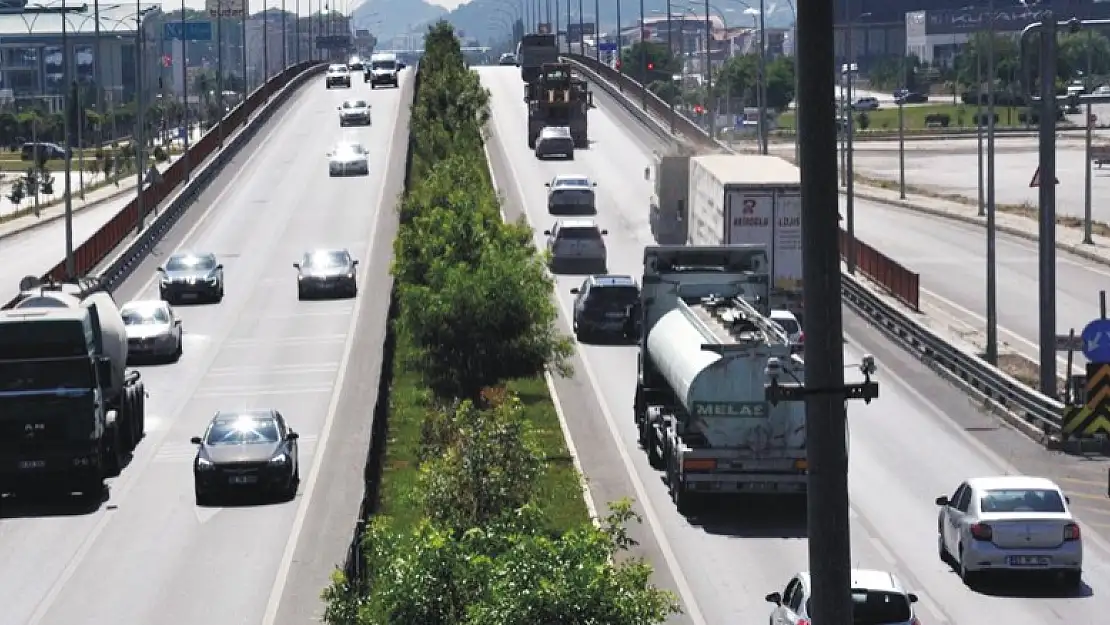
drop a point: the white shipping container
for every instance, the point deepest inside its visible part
(751, 199)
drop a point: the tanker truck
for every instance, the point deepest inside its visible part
(70, 411)
(700, 407)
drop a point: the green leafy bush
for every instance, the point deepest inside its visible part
(475, 312)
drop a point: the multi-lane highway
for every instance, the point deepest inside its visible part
(915, 443)
(148, 554)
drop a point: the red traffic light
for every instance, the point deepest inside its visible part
(651, 66)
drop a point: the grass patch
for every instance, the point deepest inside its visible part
(30, 210)
(886, 118)
(560, 490)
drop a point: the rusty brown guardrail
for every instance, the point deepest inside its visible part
(903, 284)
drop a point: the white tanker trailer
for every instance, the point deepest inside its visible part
(70, 410)
(700, 402)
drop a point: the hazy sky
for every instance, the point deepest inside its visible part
(170, 5)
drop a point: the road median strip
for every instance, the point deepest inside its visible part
(477, 484)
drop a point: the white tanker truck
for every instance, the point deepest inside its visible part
(700, 404)
(70, 410)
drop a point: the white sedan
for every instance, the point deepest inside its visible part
(349, 159)
(1007, 524)
(153, 330)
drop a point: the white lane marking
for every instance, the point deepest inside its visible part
(248, 391)
(237, 372)
(124, 486)
(309, 487)
(684, 590)
(1010, 333)
(288, 340)
(587, 496)
(338, 312)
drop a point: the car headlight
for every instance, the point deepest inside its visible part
(204, 464)
(279, 459)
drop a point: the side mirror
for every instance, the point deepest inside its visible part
(177, 322)
(774, 598)
(292, 436)
(547, 184)
(161, 270)
(604, 233)
(942, 500)
(575, 291)
(220, 267)
(339, 108)
(525, 98)
(647, 173)
(354, 263)
(195, 440)
(913, 598)
(296, 265)
(1067, 499)
(593, 184)
(547, 232)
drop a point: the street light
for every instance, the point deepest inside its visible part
(849, 70)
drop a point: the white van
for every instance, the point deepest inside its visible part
(383, 70)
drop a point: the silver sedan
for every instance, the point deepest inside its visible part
(153, 330)
(1009, 523)
(349, 159)
(354, 112)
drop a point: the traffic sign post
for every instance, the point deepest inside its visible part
(1092, 418)
(192, 31)
(1036, 181)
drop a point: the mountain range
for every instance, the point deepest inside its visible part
(489, 20)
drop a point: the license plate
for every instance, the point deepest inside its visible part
(32, 464)
(244, 479)
(188, 295)
(1029, 561)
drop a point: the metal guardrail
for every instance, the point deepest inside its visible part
(996, 388)
(95, 251)
(903, 284)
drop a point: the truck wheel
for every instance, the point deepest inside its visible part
(679, 496)
(139, 416)
(648, 441)
(111, 457)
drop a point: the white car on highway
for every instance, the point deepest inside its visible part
(878, 598)
(153, 330)
(571, 194)
(1006, 524)
(354, 112)
(576, 244)
(349, 159)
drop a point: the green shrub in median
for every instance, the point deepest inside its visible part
(475, 314)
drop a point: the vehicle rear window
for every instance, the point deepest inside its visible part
(580, 234)
(1022, 500)
(572, 182)
(145, 316)
(873, 607)
(614, 295)
(383, 65)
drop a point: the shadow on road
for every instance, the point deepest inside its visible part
(751, 516)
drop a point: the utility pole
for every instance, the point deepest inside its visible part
(762, 83)
(992, 274)
(710, 108)
(67, 58)
(1047, 206)
(824, 390)
(185, 91)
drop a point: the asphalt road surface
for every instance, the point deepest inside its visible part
(950, 257)
(907, 447)
(34, 251)
(952, 171)
(148, 554)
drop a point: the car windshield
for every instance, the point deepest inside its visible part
(349, 150)
(788, 325)
(572, 182)
(191, 263)
(383, 65)
(1022, 500)
(325, 260)
(338, 68)
(613, 296)
(242, 430)
(145, 316)
(580, 233)
(354, 104)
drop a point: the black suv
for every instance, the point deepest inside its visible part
(607, 306)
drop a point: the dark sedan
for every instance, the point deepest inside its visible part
(191, 276)
(326, 272)
(252, 451)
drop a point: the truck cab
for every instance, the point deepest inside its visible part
(557, 97)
